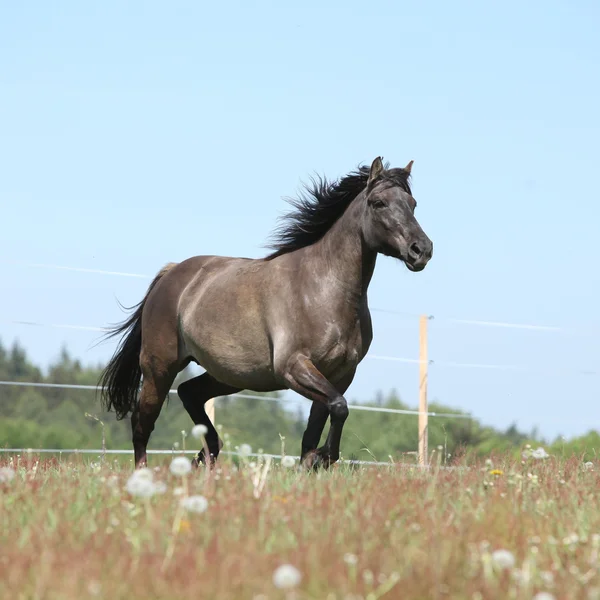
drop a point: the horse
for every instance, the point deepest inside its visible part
(297, 319)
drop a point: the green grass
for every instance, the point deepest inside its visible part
(69, 530)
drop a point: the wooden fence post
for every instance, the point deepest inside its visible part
(210, 410)
(423, 363)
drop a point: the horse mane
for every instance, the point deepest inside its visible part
(321, 205)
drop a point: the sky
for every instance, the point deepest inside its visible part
(136, 134)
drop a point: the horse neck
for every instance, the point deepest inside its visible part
(345, 255)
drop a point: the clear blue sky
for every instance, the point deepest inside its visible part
(133, 134)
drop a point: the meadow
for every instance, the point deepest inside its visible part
(262, 529)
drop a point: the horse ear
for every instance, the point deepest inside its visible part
(376, 170)
(408, 167)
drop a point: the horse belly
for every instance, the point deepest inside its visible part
(233, 353)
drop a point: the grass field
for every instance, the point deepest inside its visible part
(78, 529)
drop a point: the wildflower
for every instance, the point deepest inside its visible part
(198, 431)
(588, 466)
(245, 450)
(488, 462)
(196, 504)
(94, 587)
(288, 462)
(503, 559)
(6, 474)
(140, 483)
(286, 577)
(180, 465)
(539, 453)
(544, 596)
(184, 525)
(350, 559)
(547, 577)
(160, 487)
(496, 472)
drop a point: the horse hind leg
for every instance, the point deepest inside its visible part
(194, 393)
(155, 387)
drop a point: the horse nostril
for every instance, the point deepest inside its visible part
(415, 250)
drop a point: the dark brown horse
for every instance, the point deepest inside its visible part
(297, 319)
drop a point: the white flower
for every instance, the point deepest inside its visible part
(288, 462)
(245, 450)
(539, 453)
(180, 465)
(503, 559)
(286, 577)
(350, 559)
(198, 431)
(544, 596)
(589, 466)
(197, 504)
(140, 483)
(160, 487)
(6, 474)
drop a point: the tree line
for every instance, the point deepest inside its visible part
(36, 417)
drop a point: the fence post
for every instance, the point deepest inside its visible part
(210, 410)
(423, 418)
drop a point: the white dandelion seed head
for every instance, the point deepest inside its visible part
(160, 487)
(245, 450)
(286, 577)
(195, 504)
(140, 484)
(288, 462)
(7, 474)
(503, 559)
(199, 431)
(539, 453)
(180, 466)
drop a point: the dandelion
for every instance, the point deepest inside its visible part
(488, 462)
(539, 453)
(198, 431)
(245, 450)
(180, 466)
(160, 487)
(196, 504)
(288, 462)
(503, 559)
(588, 466)
(286, 577)
(6, 474)
(140, 484)
(496, 472)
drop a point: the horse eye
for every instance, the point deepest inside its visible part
(378, 204)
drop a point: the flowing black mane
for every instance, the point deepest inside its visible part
(322, 204)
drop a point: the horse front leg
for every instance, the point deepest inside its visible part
(301, 375)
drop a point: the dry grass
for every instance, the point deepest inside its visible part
(71, 531)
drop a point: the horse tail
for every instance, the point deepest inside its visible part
(121, 377)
